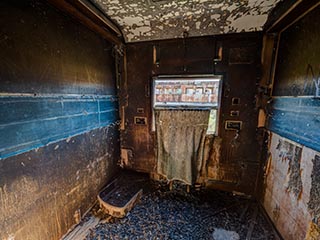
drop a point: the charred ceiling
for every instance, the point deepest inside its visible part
(143, 20)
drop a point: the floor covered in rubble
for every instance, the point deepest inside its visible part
(164, 213)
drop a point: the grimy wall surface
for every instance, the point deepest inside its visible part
(292, 184)
(58, 108)
(230, 162)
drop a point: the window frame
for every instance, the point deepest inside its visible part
(217, 107)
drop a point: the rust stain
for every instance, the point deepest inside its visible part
(126, 156)
(314, 201)
(276, 213)
(236, 166)
(38, 202)
(290, 213)
(287, 151)
(218, 170)
(313, 232)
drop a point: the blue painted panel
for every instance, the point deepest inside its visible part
(19, 110)
(28, 122)
(78, 107)
(297, 119)
(105, 105)
(108, 117)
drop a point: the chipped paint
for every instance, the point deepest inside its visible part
(142, 20)
(290, 214)
(291, 153)
(314, 202)
(247, 23)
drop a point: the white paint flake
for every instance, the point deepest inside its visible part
(248, 23)
(133, 20)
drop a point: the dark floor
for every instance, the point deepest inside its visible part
(176, 214)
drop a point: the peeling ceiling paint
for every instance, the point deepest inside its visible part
(142, 20)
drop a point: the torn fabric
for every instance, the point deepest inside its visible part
(180, 143)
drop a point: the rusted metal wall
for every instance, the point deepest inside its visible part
(231, 163)
(45, 191)
(291, 190)
(58, 110)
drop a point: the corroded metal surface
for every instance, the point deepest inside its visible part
(292, 184)
(45, 191)
(291, 188)
(228, 160)
(142, 20)
(55, 64)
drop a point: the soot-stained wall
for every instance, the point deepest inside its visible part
(291, 187)
(295, 111)
(58, 120)
(230, 161)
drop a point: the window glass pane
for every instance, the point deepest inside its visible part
(212, 122)
(186, 92)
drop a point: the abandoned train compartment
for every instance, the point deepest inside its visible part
(151, 119)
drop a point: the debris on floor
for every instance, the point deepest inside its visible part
(83, 229)
(177, 214)
(222, 234)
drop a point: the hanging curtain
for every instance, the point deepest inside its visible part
(180, 143)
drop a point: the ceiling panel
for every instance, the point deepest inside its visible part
(142, 20)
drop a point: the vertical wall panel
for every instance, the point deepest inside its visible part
(237, 166)
(59, 141)
(294, 123)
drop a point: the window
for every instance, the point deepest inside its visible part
(212, 124)
(189, 92)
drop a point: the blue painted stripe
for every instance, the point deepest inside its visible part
(297, 119)
(30, 122)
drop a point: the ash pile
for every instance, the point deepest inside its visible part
(162, 213)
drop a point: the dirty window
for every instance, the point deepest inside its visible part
(212, 125)
(187, 92)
